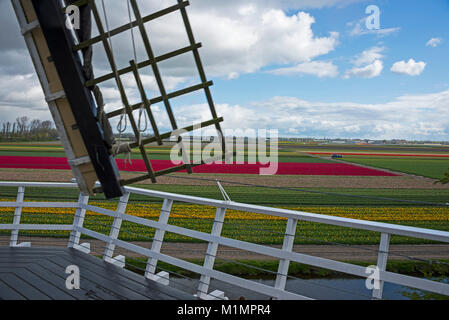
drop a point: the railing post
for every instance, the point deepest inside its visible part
(157, 243)
(78, 221)
(289, 240)
(382, 262)
(114, 233)
(211, 253)
(16, 220)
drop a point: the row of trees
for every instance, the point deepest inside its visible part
(24, 129)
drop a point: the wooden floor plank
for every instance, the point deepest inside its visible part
(140, 280)
(58, 281)
(106, 281)
(8, 293)
(150, 290)
(49, 289)
(31, 250)
(20, 285)
(39, 273)
(89, 288)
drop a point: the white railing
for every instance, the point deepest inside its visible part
(206, 271)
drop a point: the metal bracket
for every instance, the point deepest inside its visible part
(223, 192)
(118, 261)
(161, 277)
(55, 96)
(29, 27)
(214, 295)
(22, 245)
(79, 161)
(83, 247)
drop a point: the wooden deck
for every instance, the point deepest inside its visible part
(39, 274)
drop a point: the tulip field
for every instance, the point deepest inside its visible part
(422, 205)
(243, 225)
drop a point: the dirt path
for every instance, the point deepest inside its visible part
(198, 250)
(399, 182)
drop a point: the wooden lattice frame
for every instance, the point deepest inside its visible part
(164, 97)
(54, 51)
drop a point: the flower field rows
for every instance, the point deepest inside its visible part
(385, 154)
(242, 225)
(284, 168)
(187, 211)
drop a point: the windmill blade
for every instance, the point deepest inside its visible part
(75, 99)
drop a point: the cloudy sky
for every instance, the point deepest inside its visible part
(309, 68)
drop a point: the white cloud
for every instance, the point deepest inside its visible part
(247, 10)
(368, 64)
(411, 68)
(233, 75)
(261, 34)
(149, 82)
(358, 28)
(238, 37)
(21, 90)
(250, 37)
(370, 71)
(424, 116)
(369, 56)
(317, 68)
(22, 95)
(434, 42)
(258, 40)
(278, 4)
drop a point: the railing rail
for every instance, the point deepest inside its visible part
(214, 239)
